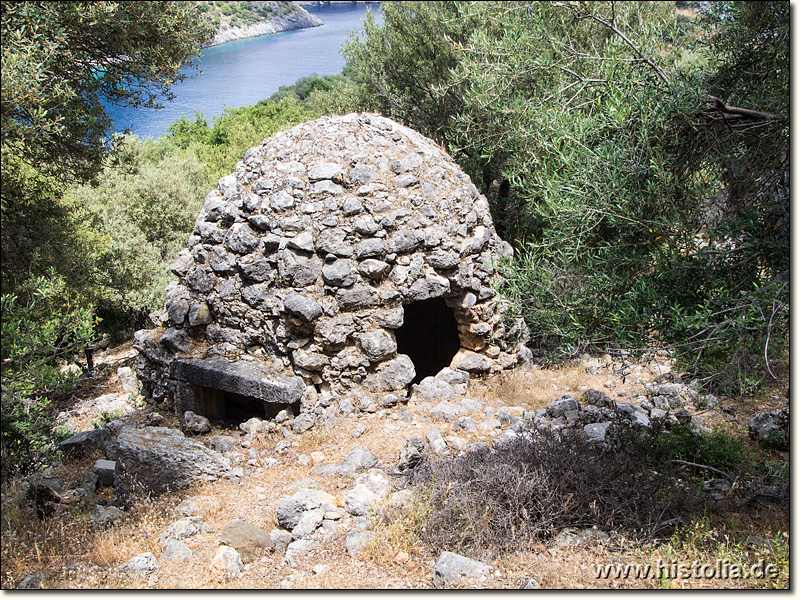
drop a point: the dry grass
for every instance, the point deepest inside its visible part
(33, 545)
(397, 558)
(396, 538)
(534, 387)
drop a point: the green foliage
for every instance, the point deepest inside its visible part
(220, 146)
(742, 321)
(717, 449)
(403, 67)
(777, 440)
(138, 216)
(106, 416)
(29, 439)
(325, 95)
(642, 215)
(43, 327)
(61, 61)
(303, 87)
(340, 99)
(40, 230)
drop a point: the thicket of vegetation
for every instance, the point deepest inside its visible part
(649, 485)
(637, 161)
(239, 14)
(60, 62)
(304, 88)
(502, 498)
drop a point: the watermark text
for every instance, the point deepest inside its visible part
(722, 568)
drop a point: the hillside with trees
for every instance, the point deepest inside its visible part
(60, 62)
(634, 154)
(239, 20)
(637, 159)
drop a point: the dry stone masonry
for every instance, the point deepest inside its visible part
(349, 252)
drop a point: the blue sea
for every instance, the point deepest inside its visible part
(243, 72)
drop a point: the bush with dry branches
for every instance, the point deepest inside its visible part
(501, 498)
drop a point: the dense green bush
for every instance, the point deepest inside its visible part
(326, 95)
(303, 87)
(717, 449)
(138, 216)
(60, 66)
(645, 211)
(43, 326)
(221, 145)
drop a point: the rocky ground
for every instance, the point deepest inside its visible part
(267, 507)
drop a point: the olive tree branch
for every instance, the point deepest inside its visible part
(611, 26)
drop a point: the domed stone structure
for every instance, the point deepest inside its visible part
(349, 252)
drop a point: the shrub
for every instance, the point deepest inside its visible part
(777, 440)
(29, 437)
(305, 86)
(106, 416)
(717, 449)
(495, 499)
(41, 330)
(221, 145)
(140, 215)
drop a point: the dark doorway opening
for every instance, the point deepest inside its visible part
(428, 336)
(220, 405)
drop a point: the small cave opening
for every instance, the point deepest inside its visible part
(428, 336)
(221, 405)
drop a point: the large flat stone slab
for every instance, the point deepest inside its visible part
(244, 377)
(154, 460)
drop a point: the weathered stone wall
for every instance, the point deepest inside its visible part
(303, 259)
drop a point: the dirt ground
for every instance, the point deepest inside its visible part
(74, 555)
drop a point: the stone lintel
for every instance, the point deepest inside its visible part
(245, 378)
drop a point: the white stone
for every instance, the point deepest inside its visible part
(227, 560)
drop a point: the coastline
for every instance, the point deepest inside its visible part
(300, 19)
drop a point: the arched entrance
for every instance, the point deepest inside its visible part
(428, 336)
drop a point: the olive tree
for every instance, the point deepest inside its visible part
(61, 63)
(602, 133)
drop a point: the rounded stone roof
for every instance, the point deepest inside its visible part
(307, 254)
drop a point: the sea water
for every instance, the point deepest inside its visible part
(243, 72)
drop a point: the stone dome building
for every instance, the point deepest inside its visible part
(349, 252)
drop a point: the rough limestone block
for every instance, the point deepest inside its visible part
(452, 568)
(159, 459)
(249, 541)
(105, 471)
(245, 378)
